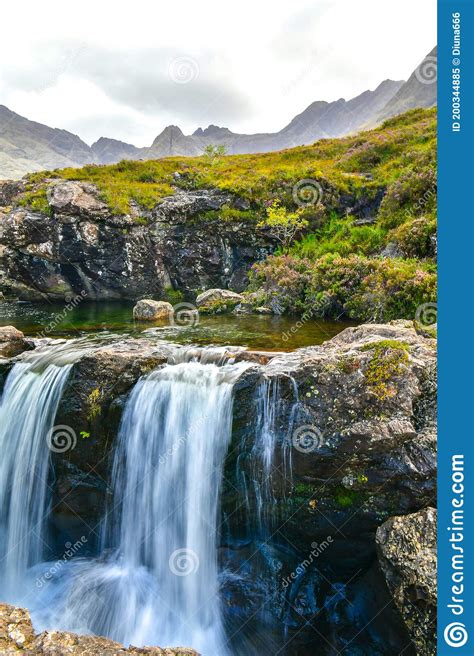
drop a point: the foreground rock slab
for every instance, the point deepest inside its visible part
(406, 549)
(17, 636)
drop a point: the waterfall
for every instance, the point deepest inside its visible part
(156, 580)
(269, 453)
(27, 411)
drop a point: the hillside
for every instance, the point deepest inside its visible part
(367, 250)
(30, 146)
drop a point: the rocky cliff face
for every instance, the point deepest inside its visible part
(406, 548)
(79, 247)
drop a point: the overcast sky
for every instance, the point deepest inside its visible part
(127, 69)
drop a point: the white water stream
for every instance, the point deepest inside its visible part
(155, 581)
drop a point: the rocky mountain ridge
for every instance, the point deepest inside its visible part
(27, 146)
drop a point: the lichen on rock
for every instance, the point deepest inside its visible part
(406, 548)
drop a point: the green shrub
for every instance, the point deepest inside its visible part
(411, 195)
(417, 237)
(341, 236)
(357, 287)
(173, 296)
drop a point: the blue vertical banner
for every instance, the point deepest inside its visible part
(456, 327)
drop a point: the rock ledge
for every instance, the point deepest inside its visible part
(17, 636)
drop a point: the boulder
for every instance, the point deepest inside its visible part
(218, 300)
(149, 310)
(12, 342)
(79, 198)
(17, 636)
(356, 417)
(393, 250)
(406, 548)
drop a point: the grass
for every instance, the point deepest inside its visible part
(352, 165)
(335, 268)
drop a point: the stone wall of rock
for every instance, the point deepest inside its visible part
(81, 247)
(361, 432)
(406, 548)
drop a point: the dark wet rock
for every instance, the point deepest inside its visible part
(81, 247)
(406, 548)
(356, 417)
(17, 636)
(353, 427)
(10, 189)
(98, 380)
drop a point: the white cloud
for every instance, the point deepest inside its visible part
(102, 68)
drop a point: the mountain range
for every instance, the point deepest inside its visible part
(27, 146)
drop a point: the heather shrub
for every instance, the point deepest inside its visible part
(411, 195)
(357, 287)
(283, 279)
(416, 238)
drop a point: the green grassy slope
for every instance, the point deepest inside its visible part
(335, 267)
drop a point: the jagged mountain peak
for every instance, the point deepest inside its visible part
(29, 146)
(212, 131)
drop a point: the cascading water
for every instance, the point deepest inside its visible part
(156, 581)
(269, 453)
(28, 408)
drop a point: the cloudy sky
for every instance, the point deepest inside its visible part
(127, 69)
